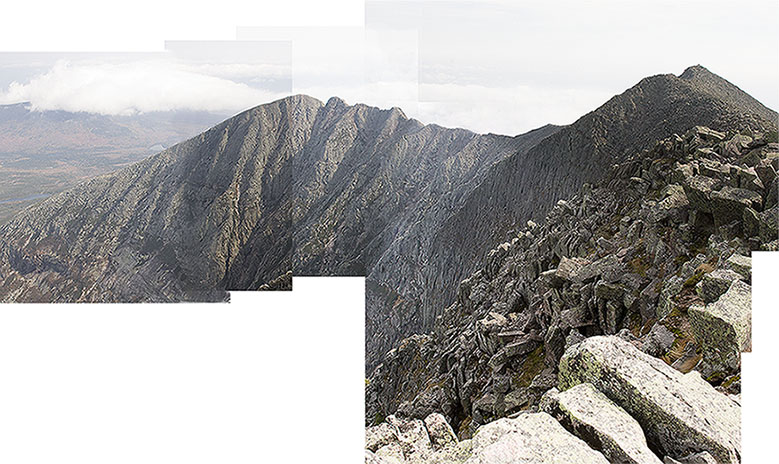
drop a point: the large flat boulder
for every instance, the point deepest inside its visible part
(530, 439)
(380, 435)
(590, 415)
(681, 414)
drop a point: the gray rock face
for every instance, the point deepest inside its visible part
(680, 414)
(373, 188)
(606, 427)
(363, 187)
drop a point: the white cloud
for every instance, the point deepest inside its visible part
(140, 86)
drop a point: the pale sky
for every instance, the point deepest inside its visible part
(489, 66)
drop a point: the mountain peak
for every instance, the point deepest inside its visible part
(300, 99)
(713, 85)
(694, 71)
(335, 102)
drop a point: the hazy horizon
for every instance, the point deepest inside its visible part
(497, 66)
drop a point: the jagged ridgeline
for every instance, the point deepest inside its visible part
(347, 185)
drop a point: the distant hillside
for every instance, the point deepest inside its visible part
(44, 152)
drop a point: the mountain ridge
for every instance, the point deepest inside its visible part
(325, 188)
(627, 123)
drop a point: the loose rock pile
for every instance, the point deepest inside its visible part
(656, 254)
(617, 405)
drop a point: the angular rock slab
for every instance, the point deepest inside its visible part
(590, 415)
(715, 284)
(740, 264)
(530, 439)
(440, 432)
(681, 414)
(724, 328)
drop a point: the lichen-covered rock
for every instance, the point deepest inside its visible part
(740, 264)
(698, 190)
(674, 205)
(413, 441)
(715, 283)
(530, 439)
(412, 436)
(441, 433)
(590, 415)
(729, 203)
(681, 414)
(380, 435)
(569, 269)
(724, 328)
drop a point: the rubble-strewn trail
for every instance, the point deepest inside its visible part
(614, 327)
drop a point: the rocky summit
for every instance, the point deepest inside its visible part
(622, 315)
(404, 300)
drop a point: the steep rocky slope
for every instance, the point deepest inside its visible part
(657, 252)
(373, 188)
(322, 189)
(525, 186)
(207, 215)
